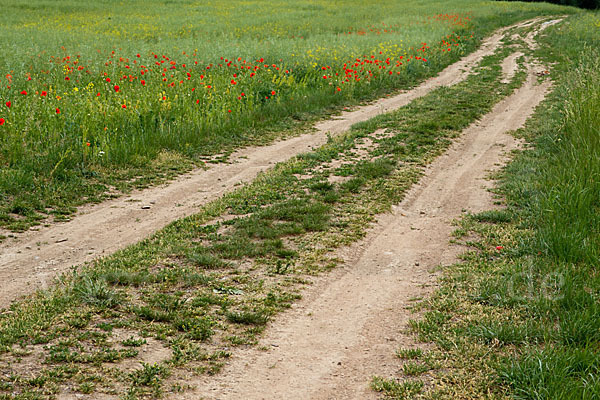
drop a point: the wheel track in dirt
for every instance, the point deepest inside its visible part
(36, 257)
(349, 324)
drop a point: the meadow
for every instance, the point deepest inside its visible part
(98, 98)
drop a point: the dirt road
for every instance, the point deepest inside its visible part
(31, 261)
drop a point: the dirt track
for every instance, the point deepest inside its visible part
(349, 324)
(37, 256)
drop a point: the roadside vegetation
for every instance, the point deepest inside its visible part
(519, 317)
(102, 97)
(138, 322)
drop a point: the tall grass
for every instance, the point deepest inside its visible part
(558, 188)
(569, 207)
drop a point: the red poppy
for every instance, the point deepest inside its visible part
(123, 106)
(107, 79)
(24, 92)
(88, 144)
(8, 104)
(58, 110)
(143, 82)
(2, 121)
(98, 94)
(116, 88)
(272, 92)
(44, 93)
(67, 78)
(229, 111)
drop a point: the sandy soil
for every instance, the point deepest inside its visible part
(350, 322)
(36, 257)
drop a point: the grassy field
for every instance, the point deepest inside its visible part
(101, 97)
(517, 319)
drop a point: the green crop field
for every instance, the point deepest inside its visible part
(99, 98)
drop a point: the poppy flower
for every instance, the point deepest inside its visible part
(67, 78)
(107, 79)
(24, 92)
(123, 106)
(2, 121)
(116, 88)
(58, 110)
(143, 82)
(272, 92)
(44, 93)
(88, 144)
(8, 104)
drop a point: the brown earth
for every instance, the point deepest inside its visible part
(36, 257)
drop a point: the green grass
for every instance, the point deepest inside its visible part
(276, 54)
(211, 282)
(522, 320)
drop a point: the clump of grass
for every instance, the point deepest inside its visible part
(397, 390)
(96, 292)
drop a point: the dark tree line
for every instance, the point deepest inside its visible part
(588, 4)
